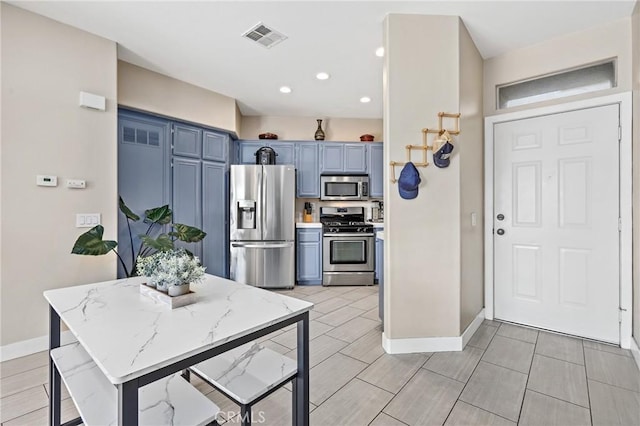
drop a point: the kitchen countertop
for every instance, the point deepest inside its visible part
(308, 225)
(380, 235)
(376, 224)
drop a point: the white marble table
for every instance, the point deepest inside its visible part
(135, 340)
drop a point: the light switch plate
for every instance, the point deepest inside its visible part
(76, 183)
(87, 220)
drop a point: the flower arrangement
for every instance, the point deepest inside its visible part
(171, 268)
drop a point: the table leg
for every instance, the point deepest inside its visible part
(54, 375)
(128, 403)
(301, 382)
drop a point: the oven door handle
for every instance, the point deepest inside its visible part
(348, 234)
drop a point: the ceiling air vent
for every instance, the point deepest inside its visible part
(264, 36)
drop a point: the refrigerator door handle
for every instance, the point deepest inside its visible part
(261, 246)
(265, 189)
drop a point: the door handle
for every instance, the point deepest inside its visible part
(500, 231)
(261, 246)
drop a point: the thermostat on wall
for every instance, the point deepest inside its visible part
(46, 180)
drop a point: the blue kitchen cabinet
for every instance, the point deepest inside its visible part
(187, 140)
(215, 146)
(307, 170)
(332, 158)
(309, 256)
(380, 276)
(144, 173)
(376, 170)
(187, 200)
(286, 152)
(339, 157)
(247, 151)
(215, 249)
(355, 158)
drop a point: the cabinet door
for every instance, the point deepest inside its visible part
(187, 141)
(215, 146)
(332, 157)
(248, 151)
(144, 173)
(307, 171)
(187, 202)
(214, 218)
(355, 158)
(309, 256)
(376, 171)
(286, 152)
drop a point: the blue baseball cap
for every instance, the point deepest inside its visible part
(409, 181)
(441, 156)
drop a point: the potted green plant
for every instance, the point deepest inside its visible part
(171, 271)
(153, 240)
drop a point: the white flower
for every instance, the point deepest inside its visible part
(171, 268)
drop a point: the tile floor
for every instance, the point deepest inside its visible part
(505, 375)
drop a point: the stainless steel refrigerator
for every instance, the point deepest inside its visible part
(262, 225)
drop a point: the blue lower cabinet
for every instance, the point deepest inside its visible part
(309, 256)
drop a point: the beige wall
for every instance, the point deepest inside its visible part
(595, 44)
(636, 169)
(304, 128)
(471, 153)
(45, 65)
(149, 91)
(422, 236)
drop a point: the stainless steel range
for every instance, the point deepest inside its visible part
(348, 256)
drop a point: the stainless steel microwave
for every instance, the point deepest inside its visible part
(344, 187)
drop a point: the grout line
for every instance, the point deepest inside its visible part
(507, 368)
(614, 386)
(446, 377)
(484, 409)
(610, 353)
(526, 385)
(560, 399)
(560, 359)
(401, 388)
(584, 359)
(471, 376)
(388, 415)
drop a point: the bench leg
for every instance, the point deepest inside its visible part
(245, 415)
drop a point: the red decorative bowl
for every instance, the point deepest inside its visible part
(268, 136)
(366, 138)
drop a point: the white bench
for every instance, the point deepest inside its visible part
(168, 401)
(247, 374)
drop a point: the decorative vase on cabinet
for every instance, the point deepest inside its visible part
(319, 135)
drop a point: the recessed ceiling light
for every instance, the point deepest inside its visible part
(365, 99)
(322, 76)
(380, 51)
(285, 89)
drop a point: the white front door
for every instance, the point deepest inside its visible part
(556, 236)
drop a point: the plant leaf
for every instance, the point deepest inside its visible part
(91, 243)
(161, 215)
(127, 211)
(186, 233)
(162, 243)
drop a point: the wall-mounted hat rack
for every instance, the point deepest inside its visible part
(442, 135)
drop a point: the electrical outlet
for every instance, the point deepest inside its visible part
(87, 220)
(76, 183)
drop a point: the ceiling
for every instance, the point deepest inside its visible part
(201, 43)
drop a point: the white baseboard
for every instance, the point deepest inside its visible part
(432, 344)
(635, 350)
(32, 346)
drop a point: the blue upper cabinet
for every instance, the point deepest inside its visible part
(247, 151)
(376, 170)
(355, 158)
(286, 152)
(339, 157)
(187, 141)
(307, 170)
(215, 146)
(332, 158)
